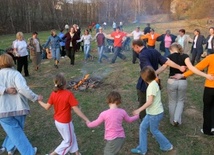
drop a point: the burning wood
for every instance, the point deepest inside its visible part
(81, 81)
(84, 83)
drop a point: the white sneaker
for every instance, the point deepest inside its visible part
(2, 150)
(35, 150)
(11, 152)
(202, 131)
(170, 149)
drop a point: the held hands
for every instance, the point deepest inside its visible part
(177, 76)
(183, 68)
(11, 90)
(40, 98)
(136, 112)
(210, 77)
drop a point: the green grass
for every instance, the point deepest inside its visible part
(121, 76)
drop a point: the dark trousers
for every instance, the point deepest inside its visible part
(210, 51)
(71, 54)
(208, 112)
(142, 100)
(62, 51)
(23, 61)
(134, 57)
(117, 53)
(196, 55)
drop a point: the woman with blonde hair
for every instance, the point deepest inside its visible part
(15, 108)
(20, 51)
(54, 42)
(177, 88)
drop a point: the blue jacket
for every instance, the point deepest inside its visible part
(53, 42)
(62, 42)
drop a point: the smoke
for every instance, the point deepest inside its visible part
(100, 71)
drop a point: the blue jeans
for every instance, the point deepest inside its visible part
(167, 52)
(55, 53)
(100, 50)
(117, 53)
(152, 122)
(87, 50)
(14, 128)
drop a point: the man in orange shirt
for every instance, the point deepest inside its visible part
(151, 38)
(118, 37)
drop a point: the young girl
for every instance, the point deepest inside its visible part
(113, 118)
(63, 101)
(86, 38)
(154, 114)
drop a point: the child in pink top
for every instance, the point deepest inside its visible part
(113, 118)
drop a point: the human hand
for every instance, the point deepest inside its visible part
(136, 112)
(210, 77)
(11, 90)
(177, 76)
(87, 121)
(40, 98)
(183, 68)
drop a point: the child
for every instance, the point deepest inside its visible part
(63, 101)
(154, 114)
(86, 38)
(113, 118)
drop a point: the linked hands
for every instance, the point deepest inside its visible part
(40, 98)
(11, 90)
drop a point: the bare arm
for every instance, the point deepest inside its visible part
(108, 36)
(46, 106)
(161, 69)
(80, 113)
(196, 71)
(174, 65)
(146, 105)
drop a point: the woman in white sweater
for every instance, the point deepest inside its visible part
(86, 38)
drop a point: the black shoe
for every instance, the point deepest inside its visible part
(56, 66)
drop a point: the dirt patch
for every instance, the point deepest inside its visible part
(192, 112)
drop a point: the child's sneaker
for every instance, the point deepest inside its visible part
(170, 149)
(35, 150)
(212, 131)
(2, 149)
(136, 151)
(11, 152)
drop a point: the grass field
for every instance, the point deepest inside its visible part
(121, 76)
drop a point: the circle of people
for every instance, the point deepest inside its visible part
(14, 89)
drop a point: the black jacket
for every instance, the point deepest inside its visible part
(212, 42)
(199, 44)
(162, 39)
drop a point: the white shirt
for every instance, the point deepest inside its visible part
(210, 42)
(181, 40)
(21, 47)
(136, 35)
(86, 38)
(195, 41)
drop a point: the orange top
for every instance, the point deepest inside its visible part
(208, 62)
(151, 40)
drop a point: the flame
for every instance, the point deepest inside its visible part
(81, 81)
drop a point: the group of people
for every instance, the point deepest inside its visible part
(13, 88)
